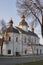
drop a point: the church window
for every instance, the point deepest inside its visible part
(16, 39)
(25, 40)
(35, 40)
(40, 51)
(29, 40)
(25, 51)
(9, 51)
(37, 51)
(9, 38)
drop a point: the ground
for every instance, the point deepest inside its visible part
(32, 63)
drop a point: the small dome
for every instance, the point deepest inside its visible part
(23, 16)
(11, 21)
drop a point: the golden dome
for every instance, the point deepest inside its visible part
(23, 22)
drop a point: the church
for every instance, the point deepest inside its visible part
(20, 41)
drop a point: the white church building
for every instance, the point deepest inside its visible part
(20, 41)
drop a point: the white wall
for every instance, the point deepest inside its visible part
(19, 46)
(38, 47)
(4, 49)
(29, 50)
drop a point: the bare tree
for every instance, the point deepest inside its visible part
(2, 26)
(32, 8)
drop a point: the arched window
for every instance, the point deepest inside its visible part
(37, 51)
(25, 51)
(16, 39)
(40, 51)
(25, 40)
(9, 38)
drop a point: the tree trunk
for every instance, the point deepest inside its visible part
(42, 26)
(42, 30)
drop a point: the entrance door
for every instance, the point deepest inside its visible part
(17, 54)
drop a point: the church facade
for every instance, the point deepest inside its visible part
(20, 41)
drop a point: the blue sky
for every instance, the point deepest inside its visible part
(8, 10)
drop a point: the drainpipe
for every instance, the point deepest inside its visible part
(13, 43)
(22, 44)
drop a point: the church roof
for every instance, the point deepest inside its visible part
(12, 29)
(27, 32)
(32, 33)
(22, 31)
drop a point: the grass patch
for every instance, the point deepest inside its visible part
(32, 63)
